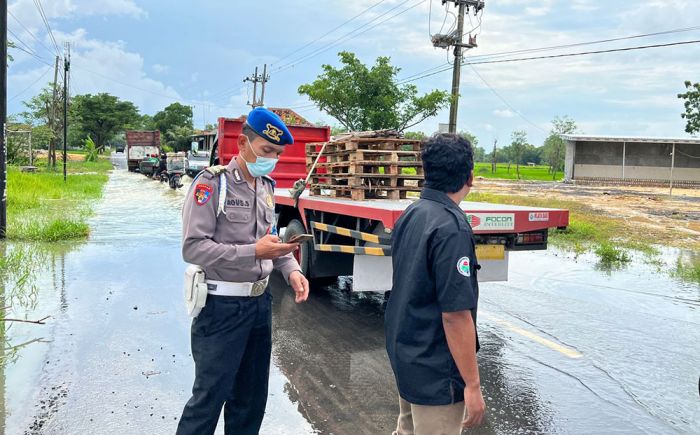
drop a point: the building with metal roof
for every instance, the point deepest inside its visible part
(632, 160)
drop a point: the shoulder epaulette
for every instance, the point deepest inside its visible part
(216, 170)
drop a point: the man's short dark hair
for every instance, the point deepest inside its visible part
(448, 162)
(248, 132)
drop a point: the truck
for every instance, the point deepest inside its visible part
(199, 153)
(139, 144)
(353, 237)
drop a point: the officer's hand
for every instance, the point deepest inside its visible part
(269, 248)
(475, 406)
(300, 285)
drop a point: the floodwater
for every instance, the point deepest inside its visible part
(567, 347)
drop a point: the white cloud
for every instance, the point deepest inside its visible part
(160, 69)
(504, 113)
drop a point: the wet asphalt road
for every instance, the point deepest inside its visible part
(566, 348)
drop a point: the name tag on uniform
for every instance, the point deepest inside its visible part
(238, 203)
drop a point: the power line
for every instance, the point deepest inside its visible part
(500, 97)
(554, 56)
(352, 34)
(27, 47)
(555, 47)
(29, 52)
(40, 8)
(331, 31)
(32, 84)
(30, 32)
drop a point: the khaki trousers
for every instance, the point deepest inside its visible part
(429, 420)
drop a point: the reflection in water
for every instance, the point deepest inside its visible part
(332, 350)
(27, 293)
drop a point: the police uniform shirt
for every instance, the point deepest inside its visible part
(224, 246)
(433, 255)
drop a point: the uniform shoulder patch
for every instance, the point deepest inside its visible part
(464, 267)
(202, 193)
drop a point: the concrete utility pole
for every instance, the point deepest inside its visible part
(493, 157)
(66, 71)
(255, 79)
(3, 117)
(673, 164)
(52, 117)
(455, 39)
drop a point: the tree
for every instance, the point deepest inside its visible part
(40, 110)
(554, 146)
(415, 135)
(361, 98)
(176, 126)
(10, 44)
(174, 116)
(518, 146)
(101, 117)
(692, 107)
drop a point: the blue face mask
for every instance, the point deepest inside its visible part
(262, 165)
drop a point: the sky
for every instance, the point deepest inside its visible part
(157, 52)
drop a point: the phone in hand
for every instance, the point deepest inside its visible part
(300, 238)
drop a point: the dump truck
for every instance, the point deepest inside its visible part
(352, 236)
(140, 144)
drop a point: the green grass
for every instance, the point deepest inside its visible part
(687, 271)
(534, 173)
(611, 256)
(41, 207)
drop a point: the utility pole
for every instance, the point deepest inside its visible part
(493, 158)
(255, 79)
(455, 39)
(52, 118)
(3, 117)
(66, 71)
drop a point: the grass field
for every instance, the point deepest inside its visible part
(41, 207)
(536, 173)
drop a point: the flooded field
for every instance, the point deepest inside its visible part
(567, 347)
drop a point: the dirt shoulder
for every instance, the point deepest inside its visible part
(649, 213)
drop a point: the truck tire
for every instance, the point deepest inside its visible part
(303, 255)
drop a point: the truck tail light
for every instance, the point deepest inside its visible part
(531, 238)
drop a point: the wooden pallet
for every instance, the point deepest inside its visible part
(360, 193)
(376, 144)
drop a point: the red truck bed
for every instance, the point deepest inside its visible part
(485, 218)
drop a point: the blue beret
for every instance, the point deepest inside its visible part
(269, 126)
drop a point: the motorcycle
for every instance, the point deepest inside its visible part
(175, 170)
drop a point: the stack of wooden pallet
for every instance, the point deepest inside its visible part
(366, 165)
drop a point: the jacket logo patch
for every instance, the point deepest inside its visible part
(240, 203)
(463, 266)
(202, 194)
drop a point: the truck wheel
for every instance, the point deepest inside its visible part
(303, 255)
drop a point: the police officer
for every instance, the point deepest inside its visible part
(231, 233)
(430, 319)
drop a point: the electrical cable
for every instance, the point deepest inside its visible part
(555, 56)
(9, 12)
(351, 35)
(28, 87)
(332, 30)
(40, 8)
(556, 47)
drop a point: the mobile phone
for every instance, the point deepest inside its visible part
(301, 238)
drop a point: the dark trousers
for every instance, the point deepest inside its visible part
(231, 346)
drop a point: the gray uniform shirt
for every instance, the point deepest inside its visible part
(224, 246)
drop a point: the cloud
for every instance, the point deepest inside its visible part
(160, 69)
(505, 113)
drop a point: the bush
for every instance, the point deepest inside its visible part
(90, 150)
(610, 255)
